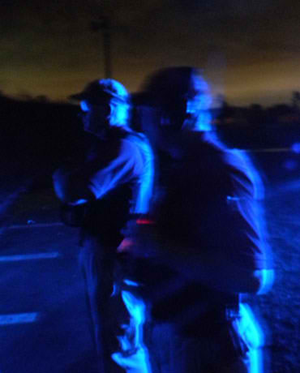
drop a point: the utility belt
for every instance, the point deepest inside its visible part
(139, 235)
(74, 215)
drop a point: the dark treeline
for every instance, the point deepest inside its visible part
(37, 128)
(38, 134)
(254, 126)
(35, 136)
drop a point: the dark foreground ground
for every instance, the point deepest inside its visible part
(44, 324)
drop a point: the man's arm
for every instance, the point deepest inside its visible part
(126, 167)
(79, 185)
(70, 186)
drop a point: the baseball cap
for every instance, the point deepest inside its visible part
(98, 90)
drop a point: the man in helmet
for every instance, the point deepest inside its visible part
(205, 240)
(113, 180)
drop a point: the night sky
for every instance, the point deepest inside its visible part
(249, 49)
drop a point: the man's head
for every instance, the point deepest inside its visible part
(105, 103)
(182, 95)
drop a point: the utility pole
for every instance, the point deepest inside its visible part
(106, 32)
(103, 24)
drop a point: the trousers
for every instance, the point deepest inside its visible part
(168, 336)
(233, 346)
(105, 306)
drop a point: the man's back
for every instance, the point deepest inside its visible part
(209, 199)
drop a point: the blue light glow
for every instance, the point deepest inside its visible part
(79, 202)
(131, 283)
(19, 318)
(248, 328)
(37, 256)
(134, 357)
(119, 114)
(266, 277)
(145, 187)
(296, 147)
(290, 164)
(84, 106)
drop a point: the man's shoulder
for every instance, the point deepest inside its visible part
(243, 166)
(234, 165)
(132, 150)
(136, 141)
(134, 136)
(128, 146)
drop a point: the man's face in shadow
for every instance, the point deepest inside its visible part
(183, 105)
(97, 116)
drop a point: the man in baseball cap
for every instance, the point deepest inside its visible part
(114, 180)
(105, 103)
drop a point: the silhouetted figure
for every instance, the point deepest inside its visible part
(204, 244)
(112, 181)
